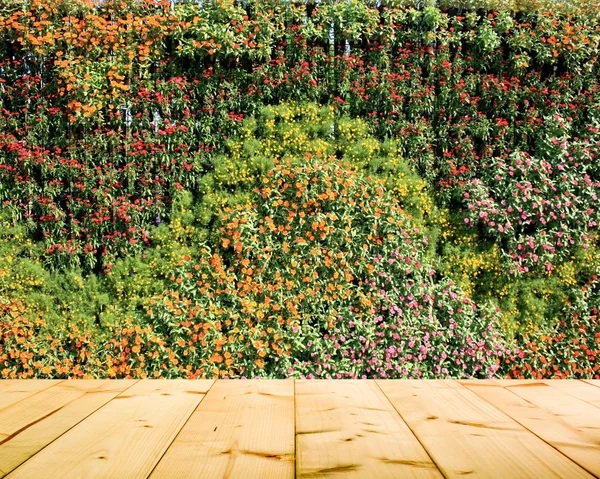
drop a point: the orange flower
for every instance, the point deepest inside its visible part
(216, 358)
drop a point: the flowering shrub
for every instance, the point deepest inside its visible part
(298, 287)
(539, 207)
(432, 328)
(286, 268)
(26, 351)
(568, 349)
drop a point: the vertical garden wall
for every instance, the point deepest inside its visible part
(145, 229)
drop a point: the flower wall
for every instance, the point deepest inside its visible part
(142, 139)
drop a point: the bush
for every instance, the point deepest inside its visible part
(293, 288)
(568, 350)
(539, 208)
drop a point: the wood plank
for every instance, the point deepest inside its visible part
(593, 382)
(579, 444)
(581, 390)
(241, 429)
(124, 438)
(572, 410)
(466, 435)
(349, 429)
(559, 397)
(29, 425)
(15, 390)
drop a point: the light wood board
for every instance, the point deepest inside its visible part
(349, 429)
(123, 439)
(256, 428)
(593, 382)
(29, 425)
(242, 429)
(580, 389)
(15, 390)
(468, 436)
(579, 444)
(573, 411)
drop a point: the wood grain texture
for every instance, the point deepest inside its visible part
(377, 429)
(580, 389)
(29, 425)
(123, 439)
(573, 411)
(558, 397)
(580, 444)
(468, 436)
(349, 429)
(14, 390)
(242, 429)
(593, 382)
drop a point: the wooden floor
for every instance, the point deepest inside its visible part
(246, 429)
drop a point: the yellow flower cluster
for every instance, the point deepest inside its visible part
(17, 276)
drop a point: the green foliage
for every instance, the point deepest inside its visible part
(300, 282)
(293, 130)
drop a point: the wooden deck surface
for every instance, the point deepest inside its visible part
(284, 429)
